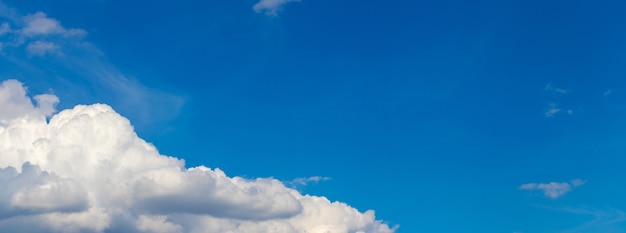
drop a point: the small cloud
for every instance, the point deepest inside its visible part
(270, 7)
(553, 189)
(577, 182)
(41, 48)
(40, 24)
(607, 92)
(302, 181)
(551, 110)
(554, 89)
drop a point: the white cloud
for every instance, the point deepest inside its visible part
(41, 48)
(33, 28)
(15, 103)
(35, 192)
(551, 110)
(307, 180)
(38, 35)
(551, 88)
(40, 24)
(553, 189)
(86, 170)
(271, 7)
(607, 92)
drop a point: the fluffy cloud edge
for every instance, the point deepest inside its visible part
(117, 182)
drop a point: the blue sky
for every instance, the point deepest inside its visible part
(443, 116)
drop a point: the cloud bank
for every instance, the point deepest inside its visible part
(553, 189)
(85, 170)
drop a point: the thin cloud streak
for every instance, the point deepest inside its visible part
(602, 218)
(553, 189)
(302, 181)
(62, 50)
(608, 217)
(553, 89)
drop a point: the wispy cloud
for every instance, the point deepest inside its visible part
(553, 109)
(553, 189)
(602, 218)
(607, 92)
(552, 88)
(307, 180)
(270, 7)
(68, 57)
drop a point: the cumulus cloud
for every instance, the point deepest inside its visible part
(14, 103)
(270, 7)
(553, 189)
(34, 192)
(86, 170)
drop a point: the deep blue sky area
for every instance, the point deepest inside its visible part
(432, 113)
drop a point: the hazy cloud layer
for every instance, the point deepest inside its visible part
(87, 171)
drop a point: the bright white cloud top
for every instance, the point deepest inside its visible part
(86, 170)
